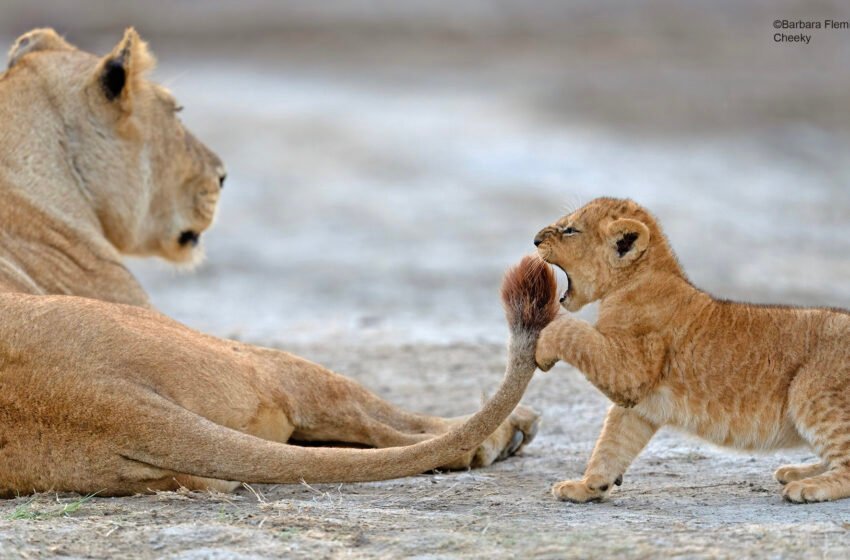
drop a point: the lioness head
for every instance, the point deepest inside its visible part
(152, 186)
(600, 247)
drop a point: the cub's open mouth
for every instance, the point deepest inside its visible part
(189, 237)
(566, 295)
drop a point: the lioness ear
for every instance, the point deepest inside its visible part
(628, 240)
(44, 39)
(120, 71)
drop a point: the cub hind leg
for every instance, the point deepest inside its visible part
(790, 473)
(623, 436)
(820, 406)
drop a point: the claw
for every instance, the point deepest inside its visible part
(529, 433)
(516, 442)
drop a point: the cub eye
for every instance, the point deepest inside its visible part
(569, 231)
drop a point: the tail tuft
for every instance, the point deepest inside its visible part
(530, 295)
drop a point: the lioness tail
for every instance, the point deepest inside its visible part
(529, 297)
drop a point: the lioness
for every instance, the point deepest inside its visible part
(747, 376)
(100, 393)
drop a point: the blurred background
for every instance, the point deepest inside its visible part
(388, 160)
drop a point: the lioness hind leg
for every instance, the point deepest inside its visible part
(332, 408)
(624, 435)
(820, 406)
(190, 482)
(176, 482)
(790, 473)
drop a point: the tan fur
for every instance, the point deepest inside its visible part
(99, 393)
(745, 376)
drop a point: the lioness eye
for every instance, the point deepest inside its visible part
(570, 231)
(178, 108)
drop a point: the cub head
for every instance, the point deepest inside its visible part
(151, 184)
(599, 247)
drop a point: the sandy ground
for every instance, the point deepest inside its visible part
(680, 499)
(379, 184)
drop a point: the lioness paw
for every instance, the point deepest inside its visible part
(589, 489)
(512, 436)
(526, 422)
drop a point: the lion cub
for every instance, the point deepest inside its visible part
(746, 376)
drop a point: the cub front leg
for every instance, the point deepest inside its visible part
(624, 367)
(624, 435)
(790, 473)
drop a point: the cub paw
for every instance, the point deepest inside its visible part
(545, 365)
(804, 491)
(546, 352)
(790, 473)
(591, 488)
(544, 359)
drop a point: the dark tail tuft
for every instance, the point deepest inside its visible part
(530, 295)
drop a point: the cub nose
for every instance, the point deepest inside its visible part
(542, 235)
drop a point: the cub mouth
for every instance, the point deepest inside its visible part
(568, 292)
(189, 237)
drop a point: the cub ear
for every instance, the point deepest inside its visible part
(119, 72)
(44, 39)
(628, 239)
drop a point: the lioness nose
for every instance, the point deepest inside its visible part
(222, 175)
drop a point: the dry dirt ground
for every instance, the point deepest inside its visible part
(680, 499)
